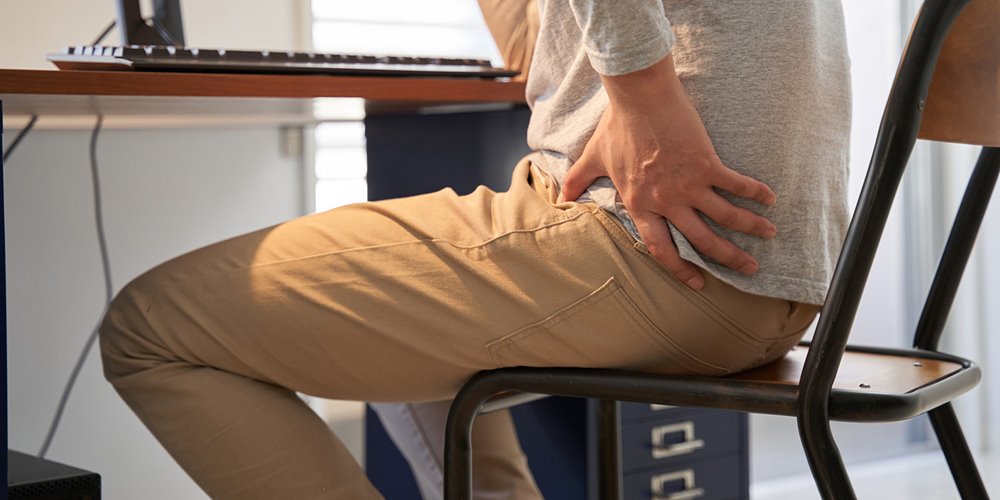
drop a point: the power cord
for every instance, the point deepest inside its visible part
(102, 241)
(34, 118)
(101, 238)
(20, 135)
(104, 33)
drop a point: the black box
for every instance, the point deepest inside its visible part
(33, 478)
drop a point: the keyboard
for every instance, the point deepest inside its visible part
(160, 58)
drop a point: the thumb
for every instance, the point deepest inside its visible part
(580, 176)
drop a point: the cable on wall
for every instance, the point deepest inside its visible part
(102, 241)
(20, 135)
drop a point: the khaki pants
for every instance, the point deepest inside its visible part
(403, 300)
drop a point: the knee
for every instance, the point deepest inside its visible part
(128, 343)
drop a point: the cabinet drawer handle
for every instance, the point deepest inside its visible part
(690, 444)
(657, 482)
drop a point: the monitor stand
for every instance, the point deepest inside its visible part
(166, 27)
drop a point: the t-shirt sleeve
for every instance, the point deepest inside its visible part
(622, 36)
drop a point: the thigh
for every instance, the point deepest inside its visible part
(390, 301)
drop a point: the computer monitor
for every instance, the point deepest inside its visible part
(164, 28)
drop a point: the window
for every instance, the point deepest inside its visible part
(444, 28)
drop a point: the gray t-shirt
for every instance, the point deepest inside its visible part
(771, 81)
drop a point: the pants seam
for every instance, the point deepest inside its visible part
(420, 241)
(423, 437)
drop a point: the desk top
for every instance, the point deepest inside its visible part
(160, 98)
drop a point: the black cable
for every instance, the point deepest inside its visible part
(102, 242)
(20, 135)
(31, 123)
(89, 344)
(104, 33)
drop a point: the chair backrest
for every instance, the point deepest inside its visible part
(963, 104)
(897, 134)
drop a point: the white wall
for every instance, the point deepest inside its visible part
(165, 191)
(38, 27)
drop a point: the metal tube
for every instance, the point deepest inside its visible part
(824, 459)
(458, 433)
(896, 137)
(956, 252)
(609, 450)
(956, 452)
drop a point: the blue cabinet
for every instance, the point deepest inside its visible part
(667, 453)
(684, 453)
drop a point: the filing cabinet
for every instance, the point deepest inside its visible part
(667, 452)
(681, 453)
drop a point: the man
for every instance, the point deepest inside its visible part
(681, 214)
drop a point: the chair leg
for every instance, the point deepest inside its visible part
(827, 466)
(458, 448)
(956, 452)
(609, 450)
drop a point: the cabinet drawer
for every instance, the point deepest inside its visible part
(685, 438)
(715, 479)
(637, 412)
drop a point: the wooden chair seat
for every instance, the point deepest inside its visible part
(872, 385)
(888, 384)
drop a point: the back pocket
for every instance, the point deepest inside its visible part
(605, 329)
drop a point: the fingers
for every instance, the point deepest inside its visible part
(580, 176)
(728, 215)
(711, 245)
(744, 187)
(656, 235)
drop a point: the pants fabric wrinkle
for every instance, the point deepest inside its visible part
(402, 301)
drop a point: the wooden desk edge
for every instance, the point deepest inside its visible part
(381, 89)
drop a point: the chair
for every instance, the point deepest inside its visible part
(827, 379)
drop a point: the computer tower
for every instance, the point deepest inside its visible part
(33, 478)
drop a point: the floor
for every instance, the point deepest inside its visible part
(921, 475)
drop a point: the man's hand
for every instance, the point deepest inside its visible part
(653, 145)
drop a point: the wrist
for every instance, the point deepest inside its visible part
(640, 89)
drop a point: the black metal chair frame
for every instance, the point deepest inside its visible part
(814, 401)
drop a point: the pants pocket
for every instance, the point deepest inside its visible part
(604, 329)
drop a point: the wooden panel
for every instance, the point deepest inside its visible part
(963, 104)
(70, 99)
(883, 374)
(105, 83)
